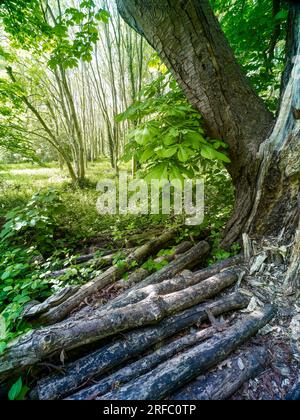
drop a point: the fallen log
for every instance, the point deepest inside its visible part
(129, 346)
(142, 273)
(38, 310)
(181, 282)
(142, 366)
(35, 309)
(205, 273)
(222, 384)
(294, 394)
(141, 237)
(96, 262)
(187, 260)
(88, 257)
(37, 345)
(179, 370)
(110, 276)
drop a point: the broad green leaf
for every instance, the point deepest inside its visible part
(195, 139)
(158, 172)
(147, 154)
(208, 153)
(184, 154)
(167, 153)
(15, 390)
(222, 157)
(168, 140)
(143, 136)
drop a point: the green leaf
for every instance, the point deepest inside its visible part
(147, 154)
(222, 157)
(24, 391)
(158, 172)
(282, 15)
(195, 139)
(143, 136)
(184, 154)
(168, 140)
(3, 346)
(15, 390)
(167, 153)
(208, 153)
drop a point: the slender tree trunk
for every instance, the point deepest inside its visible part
(264, 159)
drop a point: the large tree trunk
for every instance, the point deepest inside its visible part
(189, 39)
(265, 160)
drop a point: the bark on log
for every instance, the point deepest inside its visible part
(217, 268)
(188, 259)
(96, 262)
(179, 283)
(41, 343)
(294, 394)
(142, 366)
(131, 345)
(134, 293)
(176, 372)
(85, 258)
(141, 273)
(222, 384)
(113, 274)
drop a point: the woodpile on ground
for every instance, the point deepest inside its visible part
(160, 337)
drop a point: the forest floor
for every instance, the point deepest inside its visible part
(84, 231)
(80, 222)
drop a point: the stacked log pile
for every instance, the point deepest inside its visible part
(142, 343)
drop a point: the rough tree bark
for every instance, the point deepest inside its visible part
(35, 346)
(221, 384)
(179, 370)
(264, 168)
(130, 345)
(143, 365)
